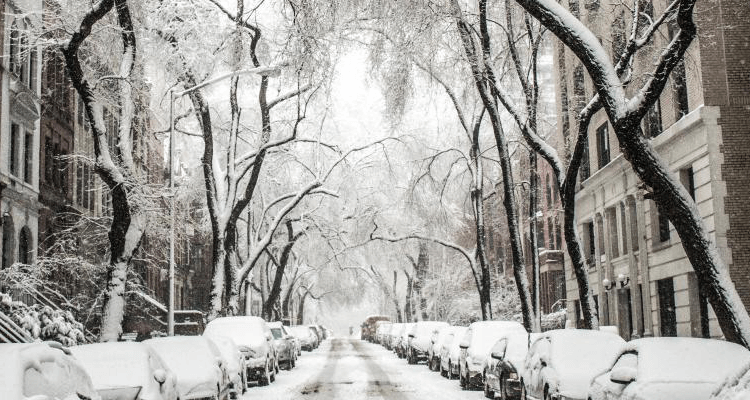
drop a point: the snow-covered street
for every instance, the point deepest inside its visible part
(343, 368)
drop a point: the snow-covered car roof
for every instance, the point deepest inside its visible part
(116, 364)
(426, 328)
(51, 372)
(681, 359)
(300, 331)
(484, 334)
(405, 329)
(245, 330)
(396, 328)
(192, 360)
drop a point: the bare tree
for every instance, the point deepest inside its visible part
(626, 113)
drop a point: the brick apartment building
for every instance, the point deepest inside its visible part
(641, 279)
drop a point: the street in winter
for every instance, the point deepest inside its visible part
(375, 199)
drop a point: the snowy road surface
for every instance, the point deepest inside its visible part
(354, 369)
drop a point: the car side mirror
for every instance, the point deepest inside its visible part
(543, 360)
(623, 375)
(269, 338)
(160, 376)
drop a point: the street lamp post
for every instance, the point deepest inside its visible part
(263, 71)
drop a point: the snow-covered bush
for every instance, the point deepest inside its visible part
(554, 320)
(43, 322)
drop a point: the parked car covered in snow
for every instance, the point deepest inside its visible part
(127, 371)
(234, 364)
(505, 366)
(43, 371)
(450, 353)
(562, 362)
(436, 343)
(305, 335)
(368, 326)
(420, 340)
(197, 363)
(381, 330)
(475, 349)
(390, 337)
(666, 368)
(284, 344)
(403, 339)
(253, 336)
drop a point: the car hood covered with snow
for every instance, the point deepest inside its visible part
(117, 365)
(53, 372)
(191, 360)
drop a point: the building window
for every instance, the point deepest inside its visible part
(679, 81)
(633, 210)
(28, 157)
(585, 164)
(667, 314)
(48, 160)
(687, 179)
(660, 226)
(602, 145)
(14, 48)
(8, 242)
(550, 235)
(32, 70)
(558, 235)
(64, 153)
(549, 192)
(614, 242)
(24, 246)
(652, 121)
(14, 138)
(624, 229)
(579, 88)
(589, 240)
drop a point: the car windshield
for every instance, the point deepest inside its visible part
(277, 333)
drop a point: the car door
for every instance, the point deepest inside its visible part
(168, 388)
(464, 346)
(534, 371)
(496, 363)
(614, 390)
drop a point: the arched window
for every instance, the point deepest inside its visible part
(549, 192)
(24, 246)
(8, 241)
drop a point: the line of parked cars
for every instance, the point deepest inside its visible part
(504, 360)
(218, 365)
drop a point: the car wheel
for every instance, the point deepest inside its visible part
(442, 371)
(461, 380)
(266, 378)
(523, 396)
(488, 393)
(293, 363)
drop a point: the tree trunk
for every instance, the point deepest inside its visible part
(509, 201)
(273, 295)
(423, 260)
(533, 237)
(301, 308)
(477, 197)
(124, 237)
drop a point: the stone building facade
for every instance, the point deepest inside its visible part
(19, 133)
(641, 279)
